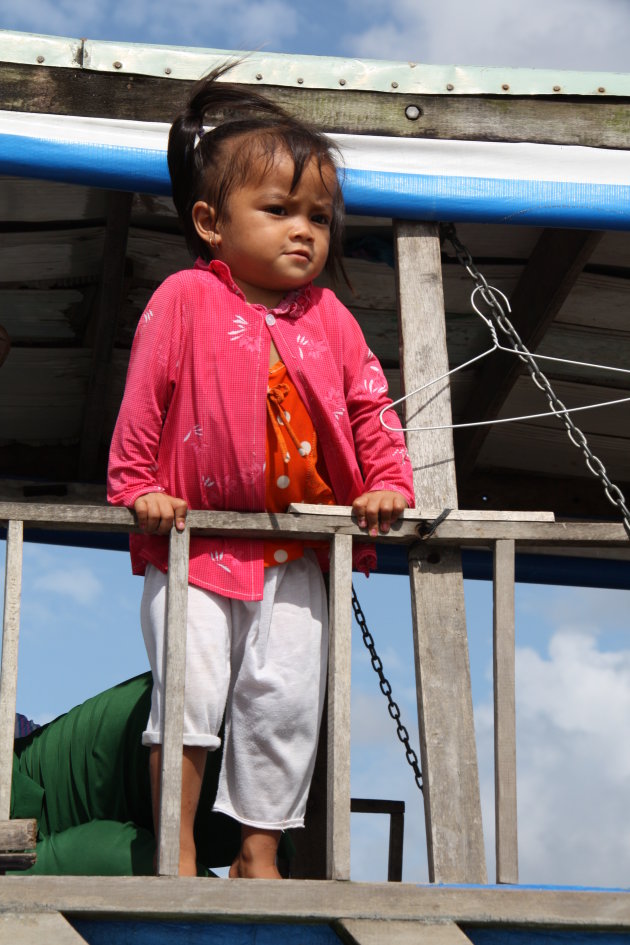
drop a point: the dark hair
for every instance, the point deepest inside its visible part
(249, 128)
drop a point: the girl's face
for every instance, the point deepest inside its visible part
(272, 239)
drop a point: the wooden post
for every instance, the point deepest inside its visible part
(9, 671)
(447, 738)
(506, 840)
(340, 624)
(174, 676)
(107, 316)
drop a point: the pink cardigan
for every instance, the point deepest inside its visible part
(192, 419)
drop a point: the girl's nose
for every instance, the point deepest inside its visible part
(302, 228)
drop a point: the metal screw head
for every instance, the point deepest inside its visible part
(40, 59)
(556, 88)
(412, 112)
(259, 76)
(117, 65)
(601, 89)
(300, 81)
(505, 87)
(450, 87)
(342, 81)
(394, 85)
(168, 70)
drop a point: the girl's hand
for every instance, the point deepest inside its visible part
(382, 508)
(156, 512)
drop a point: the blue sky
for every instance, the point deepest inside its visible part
(564, 34)
(80, 629)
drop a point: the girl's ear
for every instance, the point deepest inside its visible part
(204, 221)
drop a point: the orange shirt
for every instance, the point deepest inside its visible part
(292, 473)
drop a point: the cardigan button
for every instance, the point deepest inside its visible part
(270, 319)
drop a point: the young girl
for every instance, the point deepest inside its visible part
(248, 389)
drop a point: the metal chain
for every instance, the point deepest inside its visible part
(497, 313)
(386, 689)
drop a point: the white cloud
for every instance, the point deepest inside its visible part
(573, 716)
(222, 24)
(567, 34)
(78, 583)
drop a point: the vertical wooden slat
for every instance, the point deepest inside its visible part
(9, 671)
(506, 841)
(396, 841)
(107, 316)
(174, 676)
(338, 793)
(447, 738)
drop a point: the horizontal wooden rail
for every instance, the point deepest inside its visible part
(461, 527)
(503, 530)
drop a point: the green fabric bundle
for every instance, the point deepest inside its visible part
(85, 778)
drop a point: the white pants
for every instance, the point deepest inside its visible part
(263, 663)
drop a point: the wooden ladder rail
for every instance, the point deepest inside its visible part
(338, 792)
(448, 750)
(503, 632)
(498, 530)
(9, 670)
(338, 785)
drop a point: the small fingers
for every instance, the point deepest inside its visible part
(156, 512)
(179, 511)
(378, 509)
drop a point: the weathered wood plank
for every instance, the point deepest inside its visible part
(104, 332)
(599, 300)
(9, 668)
(423, 356)
(17, 861)
(174, 676)
(32, 201)
(447, 737)
(455, 515)
(36, 928)
(506, 836)
(551, 272)
(535, 446)
(309, 861)
(392, 932)
(603, 422)
(41, 315)
(560, 120)
(49, 410)
(474, 530)
(19, 834)
(566, 495)
(339, 661)
(61, 254)
(306, 900)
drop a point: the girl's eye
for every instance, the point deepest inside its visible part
(276, 210)
(321, 218)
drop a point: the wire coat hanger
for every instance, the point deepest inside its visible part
(497, 346)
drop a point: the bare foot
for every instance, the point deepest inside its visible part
(243, 870)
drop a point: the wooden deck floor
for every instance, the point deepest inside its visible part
(357, 912)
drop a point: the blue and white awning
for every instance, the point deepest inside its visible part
(407, 178)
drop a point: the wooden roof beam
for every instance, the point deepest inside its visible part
(108, 310)
(551, 272)
(587, 121)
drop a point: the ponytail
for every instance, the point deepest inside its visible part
(209, 164)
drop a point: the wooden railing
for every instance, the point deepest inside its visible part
(503, 532)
